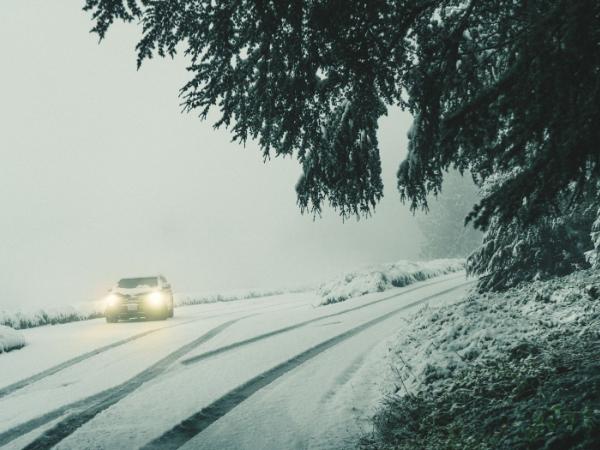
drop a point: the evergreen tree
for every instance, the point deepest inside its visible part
(593, 256)
(519, 251)
(493, 85)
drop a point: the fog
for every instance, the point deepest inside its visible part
(102, 176)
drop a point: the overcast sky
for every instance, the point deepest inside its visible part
(102, 176)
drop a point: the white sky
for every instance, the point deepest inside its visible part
(102, 176)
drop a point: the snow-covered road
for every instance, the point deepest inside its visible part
(269, 373)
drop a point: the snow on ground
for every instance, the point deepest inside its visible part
(35, 317)
(10, 339)
(199, 298)
(373, 279)
(383, 277)
(300, 406)
(440, 342)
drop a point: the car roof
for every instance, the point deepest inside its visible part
(143, 276)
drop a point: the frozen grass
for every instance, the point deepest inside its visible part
(385, 276)
(29, 318)
(519, 369)
(10, 339)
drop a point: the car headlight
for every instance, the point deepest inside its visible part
(155, 299)
(112, 300)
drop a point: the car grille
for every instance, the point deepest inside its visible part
(134, 298)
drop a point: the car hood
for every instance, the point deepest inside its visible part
(134, 291)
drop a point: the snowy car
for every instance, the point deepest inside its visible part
(142, 297)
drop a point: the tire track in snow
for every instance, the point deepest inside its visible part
(7, 390)
(260, 337)
(81, 411)
(198, 422)
(11, 388)
(32, 424)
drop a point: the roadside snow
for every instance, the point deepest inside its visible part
(440, 342)
(383, 277)
(200, 298)
(10, 339)
(29, 318)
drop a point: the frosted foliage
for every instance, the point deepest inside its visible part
(438, 343)
(10, 339)
(386, 276)
(593, 256)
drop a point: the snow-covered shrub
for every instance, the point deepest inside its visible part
(19, 319)
(531, 398)
(10, 339)
(593, 256)
(383, 277)
(514, 253)
(496, 368)
(517, 250)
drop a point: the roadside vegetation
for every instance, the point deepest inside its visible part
(10, 339)
(29, 318)
(513, 370)
(385, 276)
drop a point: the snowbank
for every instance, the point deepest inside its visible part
(385, 276)
(29, 318)
(438, 341)
(517, 369)
(10, 339)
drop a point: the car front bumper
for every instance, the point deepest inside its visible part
(130, 310)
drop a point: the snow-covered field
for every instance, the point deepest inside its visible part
(385, 276)
(10, 339)
(272, 372)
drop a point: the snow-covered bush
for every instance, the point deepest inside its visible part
(10, 339)
(383, 277)
(29, 318)
(497, 368)
(517, 250)
(483, 326)
(593, 256)
(514, 253)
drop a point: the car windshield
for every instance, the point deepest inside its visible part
(130, 283)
